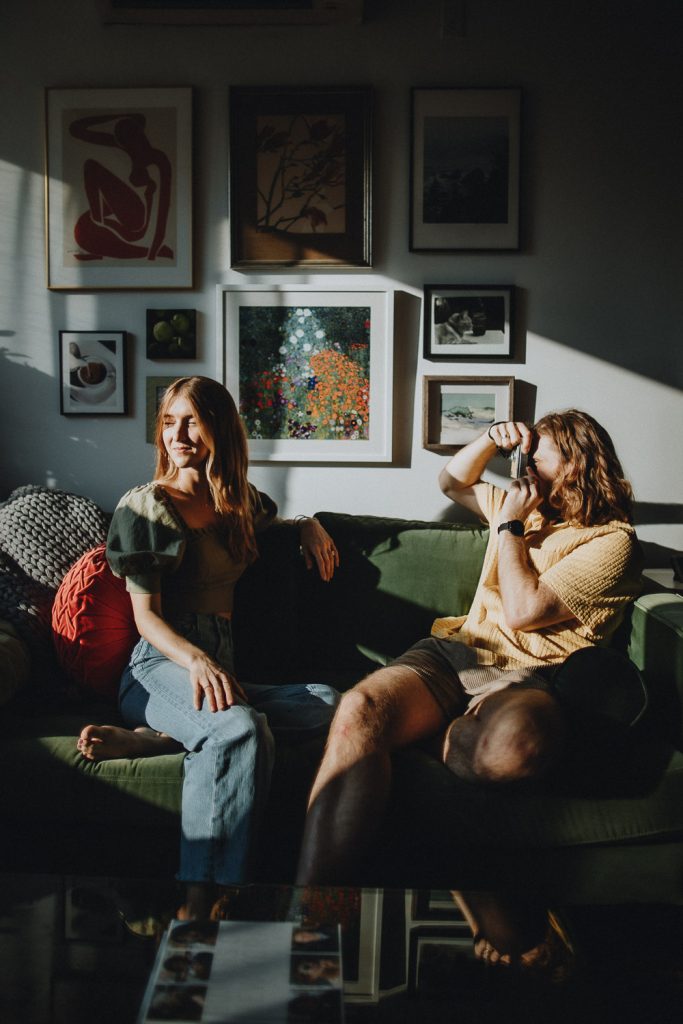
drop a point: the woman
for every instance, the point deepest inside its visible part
(182, 542)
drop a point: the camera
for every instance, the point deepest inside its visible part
(519, 461)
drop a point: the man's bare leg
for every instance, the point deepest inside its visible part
(391, 708)
(106, 742)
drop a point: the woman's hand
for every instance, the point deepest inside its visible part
(507, 435)
(211, 683)
(523, 497)
(318, 547)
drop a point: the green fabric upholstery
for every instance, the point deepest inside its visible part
(656, 647)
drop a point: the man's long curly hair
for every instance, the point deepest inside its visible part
(590, 489)
(226, 466)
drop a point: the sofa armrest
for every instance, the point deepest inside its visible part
(656, 647)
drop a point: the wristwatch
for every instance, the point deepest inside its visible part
(515, 526)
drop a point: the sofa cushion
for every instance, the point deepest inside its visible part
(14, 662)
(93, 626)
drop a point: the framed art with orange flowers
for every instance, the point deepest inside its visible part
(310, 369)
(300, 177)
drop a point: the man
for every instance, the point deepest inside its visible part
(561, 565)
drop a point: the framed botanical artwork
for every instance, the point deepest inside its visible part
(118, 188)
(465, 154)
(300, 177)
(468, 322)
(154, 392)
(457, 410)
(171, 334)
(92, 367)
(311, 371)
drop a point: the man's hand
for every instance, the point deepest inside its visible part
(522, 498)
(509, 434)
(319, 548)
(211, 683)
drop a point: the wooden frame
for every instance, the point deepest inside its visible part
(92, 373)
(300, 177)
(473, 322)
(465, 157)
(456, 410)
(118, 188)
(311, 370)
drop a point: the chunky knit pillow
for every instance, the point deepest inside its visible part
(92, 624)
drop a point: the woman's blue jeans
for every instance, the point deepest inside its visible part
(230, 753)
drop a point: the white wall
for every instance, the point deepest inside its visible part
(599, 274)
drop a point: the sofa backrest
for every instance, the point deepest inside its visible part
(395, 577)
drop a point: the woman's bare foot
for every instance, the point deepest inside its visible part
(106, 742)
(199, 897)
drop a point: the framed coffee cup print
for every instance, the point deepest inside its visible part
(300, 177)
(468, 322)
(118, 188)
(311, 371)
(465, 152)
(92, 373)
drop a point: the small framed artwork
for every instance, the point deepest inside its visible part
(300, 177)
(468, 322)
(118, 188)
(311, 371)
(92, 373)
(465, 155)
(154, 392)
(171, 333)
(435, 905)
(440, 960)
(457, 410)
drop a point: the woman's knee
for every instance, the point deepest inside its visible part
(240, 724)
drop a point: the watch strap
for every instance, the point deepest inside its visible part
(513, 526)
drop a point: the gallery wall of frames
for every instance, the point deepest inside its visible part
(310, 365)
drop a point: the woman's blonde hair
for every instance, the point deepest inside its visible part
(226, 465)
(591, 488)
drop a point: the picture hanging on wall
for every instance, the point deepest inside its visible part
(300, 177)
(92, 373)
(457, 410)
(154, 392)
(171, 334)
(118, 188)
(311, 370)
(465, 151)
(468, 322)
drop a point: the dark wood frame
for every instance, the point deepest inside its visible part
(431, 407)
(253, 248)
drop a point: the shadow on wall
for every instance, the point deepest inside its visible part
(650, 513)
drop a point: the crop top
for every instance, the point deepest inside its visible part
(150, 545)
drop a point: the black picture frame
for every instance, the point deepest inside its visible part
(93, 373)
(468, 322)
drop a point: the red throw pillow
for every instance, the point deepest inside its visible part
(93, 627)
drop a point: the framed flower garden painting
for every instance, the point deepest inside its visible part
(311, 370)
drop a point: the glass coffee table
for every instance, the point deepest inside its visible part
(76, 949)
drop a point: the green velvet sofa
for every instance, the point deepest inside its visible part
(621, 839)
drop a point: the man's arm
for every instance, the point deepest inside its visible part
(459, 476)
(528, 604)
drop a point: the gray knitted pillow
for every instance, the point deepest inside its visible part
(42, 533)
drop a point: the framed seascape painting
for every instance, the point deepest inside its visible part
(456, 410)
(118, 188)
(92, 368)
(468, 322)
(311, 370)
(465, 152)
(300, 177)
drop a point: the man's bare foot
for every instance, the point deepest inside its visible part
(199, 897)
(106, 742)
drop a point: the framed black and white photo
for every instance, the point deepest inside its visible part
(465, 154)
(92, 368)
(468, 322)
(457, 410)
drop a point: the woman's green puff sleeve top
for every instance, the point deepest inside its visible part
(152, 547)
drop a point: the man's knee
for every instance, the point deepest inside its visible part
(518, 737)
(362, 716)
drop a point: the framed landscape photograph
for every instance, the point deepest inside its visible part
(465, 154)
(456, 410)
(300, 177)
(468, 322)
(118, 188)
(92, 368)
(310, 369)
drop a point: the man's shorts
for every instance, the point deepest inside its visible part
(457, 683)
